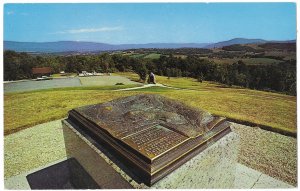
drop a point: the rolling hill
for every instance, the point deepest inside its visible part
(78, 46)
(75, 46)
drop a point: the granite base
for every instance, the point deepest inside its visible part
(213, 168)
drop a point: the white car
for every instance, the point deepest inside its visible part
(43, 78)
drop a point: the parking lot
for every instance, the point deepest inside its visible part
(36, 85)
(30, 85)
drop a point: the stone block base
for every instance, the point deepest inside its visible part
(213, 168)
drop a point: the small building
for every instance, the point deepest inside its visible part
(43, 71)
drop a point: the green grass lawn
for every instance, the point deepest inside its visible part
(153, 56)
(22, 110)
(146, 55)
(275, 110)
(137, 55)
(104, 80)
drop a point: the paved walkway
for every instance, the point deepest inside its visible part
(148, 86)
(246, 178)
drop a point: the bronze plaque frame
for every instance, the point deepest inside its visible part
(155, 149)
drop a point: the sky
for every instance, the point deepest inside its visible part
(123, 23)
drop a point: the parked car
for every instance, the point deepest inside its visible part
(44, 78)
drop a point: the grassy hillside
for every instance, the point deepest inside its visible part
(248, 61)
(274, 110)
(143, 55)
(251, 54)
(22, 110)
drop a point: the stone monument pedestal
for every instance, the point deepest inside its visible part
(214, 167)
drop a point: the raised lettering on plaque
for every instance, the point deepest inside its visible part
(154, 134)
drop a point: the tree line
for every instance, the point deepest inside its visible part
(184, 51)
(279, 77)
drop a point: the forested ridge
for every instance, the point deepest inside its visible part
(279, 77)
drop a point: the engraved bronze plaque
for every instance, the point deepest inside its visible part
(154, 134)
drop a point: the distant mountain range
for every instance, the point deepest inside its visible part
(244, 41)
(77, 46)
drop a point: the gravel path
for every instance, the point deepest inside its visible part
(271, 153)
(33, 147)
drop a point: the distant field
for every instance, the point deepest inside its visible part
(135, 55)
(153, 56)
(146, 55)
(284, 54)
(250, 61)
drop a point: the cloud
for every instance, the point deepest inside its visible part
(89, 30)
(10, 12)
(16, 13)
